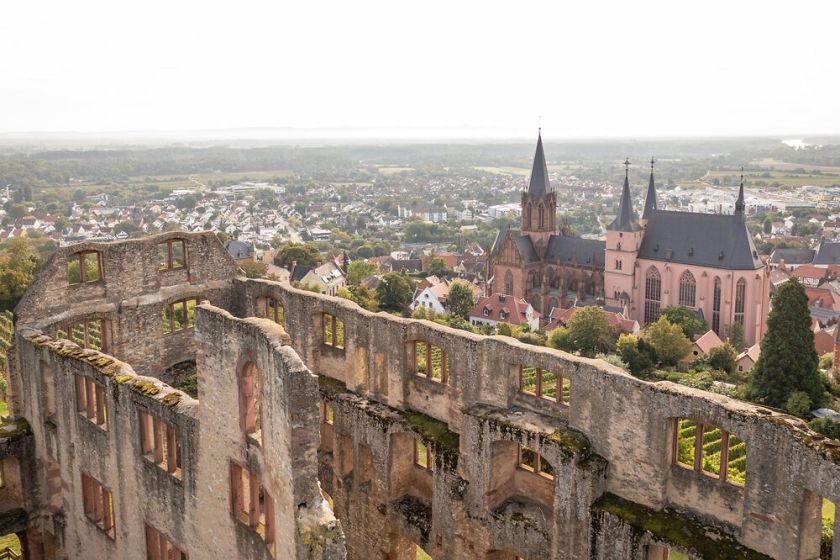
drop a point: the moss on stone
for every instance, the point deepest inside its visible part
(331, 386)
(148, 388)
(570, 442)
(671, 527)
(444, 442)
(172, 399)
(14, 429)
(122, 378)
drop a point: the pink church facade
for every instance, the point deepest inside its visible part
(705, 262)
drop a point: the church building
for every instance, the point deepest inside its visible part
(547, 267)
(706, 262)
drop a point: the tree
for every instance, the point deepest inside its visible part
(461, 299)
(685, 317)
(253, 269)
(735, 334)
(18, 263)
(395, 292)
(590, 331)
(359, 270)
(637, 354)
(798, 403)
(768, 225)
(560, 339)
(669, 341)
(788, 361)
(437, 267)
(826, 426)
(304, 254)
(723, 358)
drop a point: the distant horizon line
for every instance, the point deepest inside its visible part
(369, 133)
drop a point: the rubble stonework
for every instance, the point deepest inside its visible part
(357, 433)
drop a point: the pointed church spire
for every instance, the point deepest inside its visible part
(538, 185)
(626, 219)
(650, 199)
(739, 204)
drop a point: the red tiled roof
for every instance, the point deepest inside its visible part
(513, 308)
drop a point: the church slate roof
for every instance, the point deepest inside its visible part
(523, 245)
(564, 250)
(650, 199)
(538, 184)
(827, 253)
(625, 219)
(713, 240)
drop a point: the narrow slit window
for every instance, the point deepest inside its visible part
(422, 454)
(327, 413)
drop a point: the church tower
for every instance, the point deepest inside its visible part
(650, 199)
(624, 237)
(539, 203)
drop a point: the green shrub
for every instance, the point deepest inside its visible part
(826, 426)
(799, 404)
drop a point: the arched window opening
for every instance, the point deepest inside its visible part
(653, 294)
(716, 306)
(688, 289)
(509, 283)
(542, 216)
(740, 297)
(250, 401)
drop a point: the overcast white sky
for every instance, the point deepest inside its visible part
(591, 68)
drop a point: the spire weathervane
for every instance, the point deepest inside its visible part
(627, 166)
(651, 164)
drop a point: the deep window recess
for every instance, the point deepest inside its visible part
(431, 362)
(422, 454)
(159, 547)
(543, 383)
(532, 461)
(708, 449)
(333, 331)
(84, 267)
(90, 401)
(87, 334)
(172, 254)
(251, 503)
(179, 315)
(159, 443)
(98, 504)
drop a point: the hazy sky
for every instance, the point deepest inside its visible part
(588, 68)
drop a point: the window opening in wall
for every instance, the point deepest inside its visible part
(327, 413)
(431, 362)
(543, 383)
(688, 289)
(98, 504)
(251, 504)
(716, 296)
(179, 315)
(250, 401)
(653, 294)
(658, 552)
(420, 554)
(740, 299)
(708, 449)
(84, 267)
(275, 310)
(87, 334)
(90, 400)
(159, 443)
(333, 331)
(422, 454)
(531, 461)
(159, 547)
(2, 474)
(171, 254)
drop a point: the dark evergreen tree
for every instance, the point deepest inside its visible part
(788, 361)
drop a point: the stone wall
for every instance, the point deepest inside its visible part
(610, 487)
(616, 438)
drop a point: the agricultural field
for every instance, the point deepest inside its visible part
(767, 178)
(505, 170)
(394, 170)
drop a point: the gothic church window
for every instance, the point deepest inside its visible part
(653, 294)
(716, 306)
(688, 289)
(740, 296)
